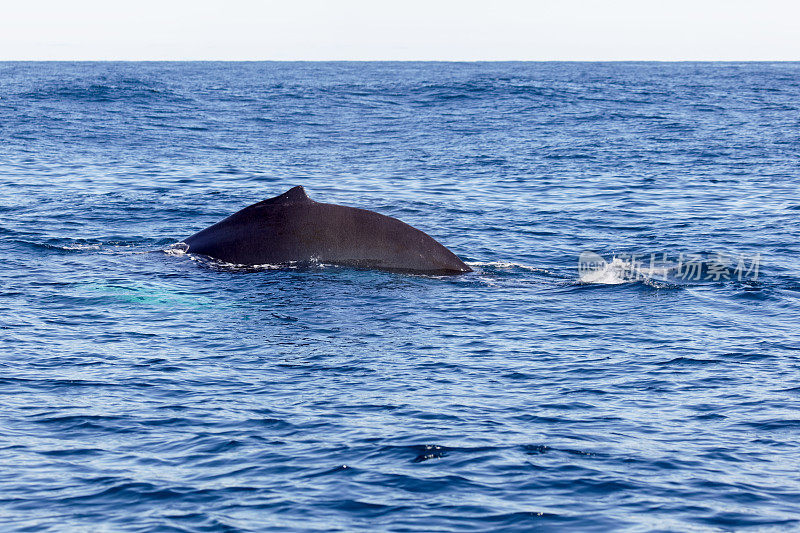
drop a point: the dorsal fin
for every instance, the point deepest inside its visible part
(295, 194)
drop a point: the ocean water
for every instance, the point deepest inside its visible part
(144, 389)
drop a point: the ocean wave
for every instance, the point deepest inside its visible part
(127, 90)
(163, 392)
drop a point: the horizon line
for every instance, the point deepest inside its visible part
(173, 60)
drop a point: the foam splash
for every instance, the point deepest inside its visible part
(179, 248)
(614, 273)
(239, 267)
(503, 265)
(79, 247)
(592, 268)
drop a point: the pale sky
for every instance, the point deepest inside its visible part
(400, 30)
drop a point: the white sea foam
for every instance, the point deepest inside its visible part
(605, 273)
(594, 269)
(80, 247)
(179, 248)
(503, 265)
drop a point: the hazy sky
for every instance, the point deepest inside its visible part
(408, 29)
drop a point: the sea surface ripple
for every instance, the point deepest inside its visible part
(144, 389)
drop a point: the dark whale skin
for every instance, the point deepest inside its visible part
(294, 228)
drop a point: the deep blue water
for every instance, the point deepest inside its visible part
(142, 390)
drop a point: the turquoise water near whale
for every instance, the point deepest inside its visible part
(145, 389)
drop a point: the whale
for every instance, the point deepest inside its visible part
(291, 228)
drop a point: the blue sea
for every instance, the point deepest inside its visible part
(625, 355)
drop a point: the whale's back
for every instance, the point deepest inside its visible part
(293, 228)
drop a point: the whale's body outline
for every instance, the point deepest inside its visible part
(293, 228)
